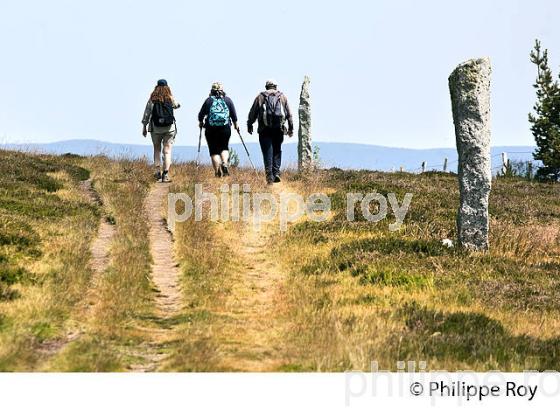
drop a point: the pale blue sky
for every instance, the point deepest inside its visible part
(84, 69)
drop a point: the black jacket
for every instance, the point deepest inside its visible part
(205, 110)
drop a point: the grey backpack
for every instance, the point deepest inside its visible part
(273, 110)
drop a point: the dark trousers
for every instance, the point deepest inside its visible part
(271, 147)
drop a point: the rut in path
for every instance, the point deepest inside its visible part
(165, 271)
(100, 257)
(99, 261)
(165, 275)
(253, 333)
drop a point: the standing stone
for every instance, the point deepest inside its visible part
(469, 85)
(305, 150)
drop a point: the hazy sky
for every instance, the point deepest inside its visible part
(84, 69)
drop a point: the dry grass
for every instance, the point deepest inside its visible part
(327, 296)
(124, 292)
(121, 305)
(352, 293)
(530, 244)
(230, 287)
(206, 265)
(47, 224)
(359, 293)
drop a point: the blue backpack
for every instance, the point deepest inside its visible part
(219, 113)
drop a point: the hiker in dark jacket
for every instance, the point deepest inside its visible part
(163, 135)
(272, 111)
(216, 116)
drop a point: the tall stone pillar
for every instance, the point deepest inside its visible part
(305, 149)
(469, 85)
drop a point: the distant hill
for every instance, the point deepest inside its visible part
(332, 154)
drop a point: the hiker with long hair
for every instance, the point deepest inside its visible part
(216, 116)
(272, 111)
(159, 120)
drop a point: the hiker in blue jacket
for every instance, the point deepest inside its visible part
(216, 116)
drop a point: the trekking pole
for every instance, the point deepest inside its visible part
(247, 151)
(198, 153)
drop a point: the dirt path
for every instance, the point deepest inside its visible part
(252, 333)
(165, 275)
(99, 262)
(248, 327)
(165, 271)
(251, 304)
(100, 247)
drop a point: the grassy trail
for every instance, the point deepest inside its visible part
(255, 327)
(165, 272)
(98, 263)
(165, 275)
(100, 246)
(118, 304)
(233, 285)
(91, 281)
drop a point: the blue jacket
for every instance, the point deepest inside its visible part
(205, 110)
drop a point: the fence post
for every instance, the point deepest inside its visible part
(504, 163)
(424, 166)
(530, 170)
(402, 168)
(445, 165)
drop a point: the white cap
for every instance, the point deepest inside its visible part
(271, 83)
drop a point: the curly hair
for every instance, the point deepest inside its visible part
(162, 93)
(217, 93)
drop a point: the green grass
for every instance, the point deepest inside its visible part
(206, 265)
(354, 292)
(359, 292)
(122, 300)
(473, 339)
(88, 354)
(45, 228)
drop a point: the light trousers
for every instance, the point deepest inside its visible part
(162, 145)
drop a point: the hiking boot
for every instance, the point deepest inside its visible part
(218, 173)
(158, 175)
(225, 170)
(165, 177)
(277, 179)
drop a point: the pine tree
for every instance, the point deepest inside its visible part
(545, 122)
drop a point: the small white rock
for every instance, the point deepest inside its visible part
(447, 242)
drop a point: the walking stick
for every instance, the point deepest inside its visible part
(198, 153)
(247, 151)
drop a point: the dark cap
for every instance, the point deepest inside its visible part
(162, 83)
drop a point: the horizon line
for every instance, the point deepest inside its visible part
(3, 144)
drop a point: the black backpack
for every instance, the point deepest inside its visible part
(273, 110)
(162, 114)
